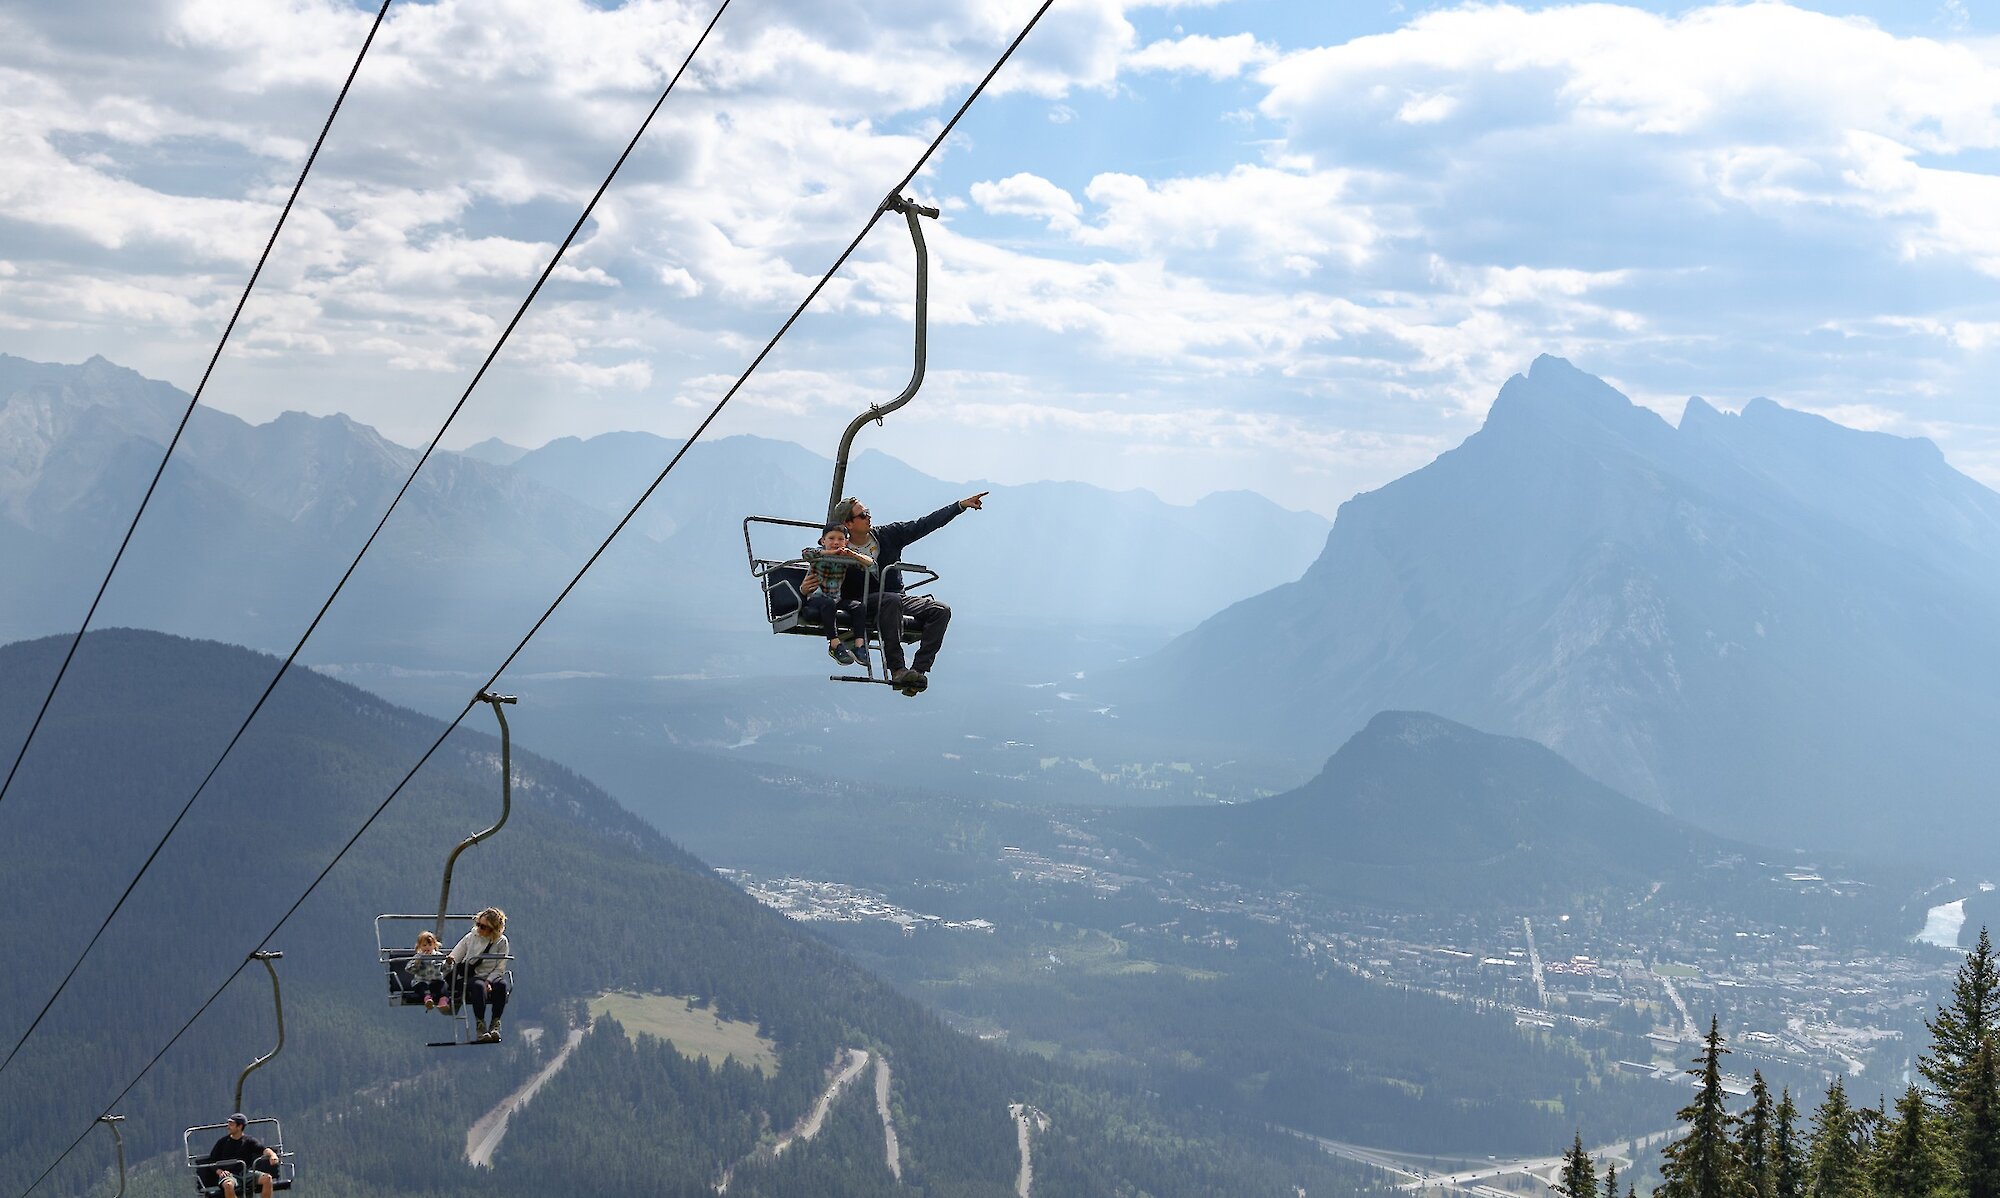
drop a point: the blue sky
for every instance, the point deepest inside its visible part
(1188, 245)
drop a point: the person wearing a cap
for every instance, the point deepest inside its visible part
(255, 1159)
(885, 543)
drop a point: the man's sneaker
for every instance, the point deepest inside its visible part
(910, 682)
(840, 653)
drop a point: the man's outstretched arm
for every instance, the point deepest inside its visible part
(903, 532)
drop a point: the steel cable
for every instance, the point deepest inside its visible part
(714, 412)
(554, 261)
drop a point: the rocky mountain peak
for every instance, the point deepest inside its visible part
(1554, 397)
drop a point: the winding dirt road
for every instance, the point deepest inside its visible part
(808, 1127)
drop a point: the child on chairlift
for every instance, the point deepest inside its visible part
(831, 561)
(426, 970)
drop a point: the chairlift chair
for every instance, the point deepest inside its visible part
(394, 937)
(196, 1141)
(781, 578)
(396, 953)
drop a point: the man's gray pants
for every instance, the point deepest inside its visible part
(931, 619)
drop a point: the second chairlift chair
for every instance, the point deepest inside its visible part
(267, 1130)
(394, 934)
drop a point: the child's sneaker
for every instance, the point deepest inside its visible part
(859, 654)
(444, 1006)
(840, 653)
(430, 1001)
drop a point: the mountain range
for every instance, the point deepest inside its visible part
(1774, 626)
(1763, 622)
(253, 524)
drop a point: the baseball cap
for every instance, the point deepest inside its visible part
(238, 1119)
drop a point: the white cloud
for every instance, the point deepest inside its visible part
(1848, 114)
(1291, 220)
(1428, 208)
(1215, 57)
(1031, 196)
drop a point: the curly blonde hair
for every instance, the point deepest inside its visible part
(494, 916)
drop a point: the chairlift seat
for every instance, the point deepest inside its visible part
(196, 1141)
(783, 582)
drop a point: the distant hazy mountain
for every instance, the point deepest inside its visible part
(1767, 623)
(1048, 551)
(494, 451)
(1416, 810)
(253, 524)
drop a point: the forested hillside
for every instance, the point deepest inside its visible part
(597, 900)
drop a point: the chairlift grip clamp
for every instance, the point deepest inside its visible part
(902, 206)
(267, 954)
(495, 697)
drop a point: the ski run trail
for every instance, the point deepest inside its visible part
(889, 1144)
(484, 1137)
(1027, 1121)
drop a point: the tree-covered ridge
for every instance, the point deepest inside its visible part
(596, 900)
(1939, 1140)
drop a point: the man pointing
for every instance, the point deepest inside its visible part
(885, 543)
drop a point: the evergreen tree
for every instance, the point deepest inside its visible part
(1969, 1021)
(1911, 1162)
(1757, 1148)
(1610, 1180)
(1975, 1111)
(1788, 1167)
(1702, 1164)
(1837, 1166)
(1579, 1173)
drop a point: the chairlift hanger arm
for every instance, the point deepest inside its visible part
(118, 1137)
(278, 1001)
(910, 212)
(496, 701)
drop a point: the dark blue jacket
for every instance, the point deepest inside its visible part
(890, 541)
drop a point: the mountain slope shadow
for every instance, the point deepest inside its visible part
(596, 900)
